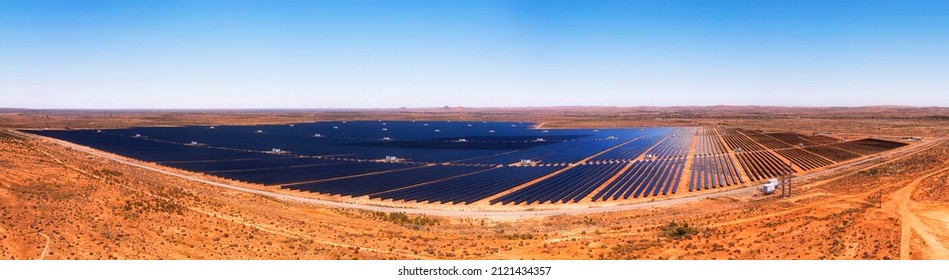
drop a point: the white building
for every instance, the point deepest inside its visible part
(770, 186)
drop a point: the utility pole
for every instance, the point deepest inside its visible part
(786, 181)
(790, 177)
(783, 186)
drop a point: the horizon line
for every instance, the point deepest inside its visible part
(467, 107)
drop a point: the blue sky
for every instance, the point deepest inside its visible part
(387, 54)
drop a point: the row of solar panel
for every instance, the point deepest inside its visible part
(435, 183)
(713, 172)
(645, 178)
(572, 185)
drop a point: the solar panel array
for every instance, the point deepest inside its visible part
(468, 162)
(644, 178)
(571, 185)
(713, 172)
(471, 188)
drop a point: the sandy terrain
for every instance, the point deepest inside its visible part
(57, 202)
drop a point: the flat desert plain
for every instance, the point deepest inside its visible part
(59, 201)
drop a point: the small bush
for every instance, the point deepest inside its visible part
(402, 219)
(676, 231)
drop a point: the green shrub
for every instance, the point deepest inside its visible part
(676, 231)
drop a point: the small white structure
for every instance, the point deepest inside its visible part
(425, 124)
(194, 143)
(461, 140)
(317, 135)
(291, 125)
(137, 136)
(386, 138)
(539, 140)
(260, 131)
(513, 125)
(545, 131)
(99, 131)
(383, 123)
(276, 151)
(212, 127)
(469, 125)
(596, 130)
(335, 127)
(527, 162)
(491, 131)
(385, 129)
(770, 186)
(648, 156)
(611, 138)
(392, 159)
(438, 130)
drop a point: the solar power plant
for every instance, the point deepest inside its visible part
(832, 153)
(644, 178)
(470, 188)
(571, 185)
(500, 163)
(713, 171)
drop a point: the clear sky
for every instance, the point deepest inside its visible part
(386, 54)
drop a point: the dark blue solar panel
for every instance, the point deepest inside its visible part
(386, 181)
(470, 188)
(447, 162)
(573, 184)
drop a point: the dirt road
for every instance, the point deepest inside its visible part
(912, 223)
